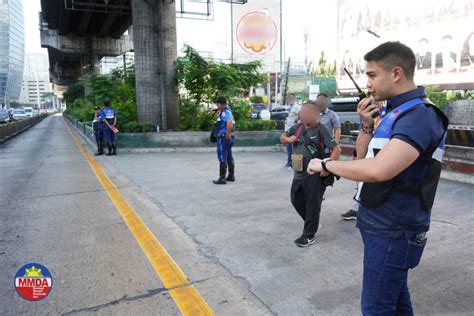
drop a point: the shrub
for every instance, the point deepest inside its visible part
(256, 99)
(255, 125)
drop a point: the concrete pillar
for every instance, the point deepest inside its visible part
(169, 59)
(154, 36)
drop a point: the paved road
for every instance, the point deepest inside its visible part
(234, 242)
(249, 226)
(54, 211)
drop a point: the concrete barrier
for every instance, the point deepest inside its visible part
(460, 112)
(183, 139)
(10, 130)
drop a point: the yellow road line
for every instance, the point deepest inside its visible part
(188, 300)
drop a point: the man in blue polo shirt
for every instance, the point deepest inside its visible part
(400, 175)
(223, 132)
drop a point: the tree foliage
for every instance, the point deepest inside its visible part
(118, 87)
(325, 69)
(201, 81)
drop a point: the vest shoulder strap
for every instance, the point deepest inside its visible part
(426, 156)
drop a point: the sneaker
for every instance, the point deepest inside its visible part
(349, 215)
(290, 169)
(304, 241)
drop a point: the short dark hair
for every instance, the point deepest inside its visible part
(106, 103)
(394, 54)
(322, 95)
(221, 100)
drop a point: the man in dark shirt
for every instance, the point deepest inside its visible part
(403, 159)
(309, 139)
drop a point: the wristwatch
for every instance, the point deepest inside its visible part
(323, 164)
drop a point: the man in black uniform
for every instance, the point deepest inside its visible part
(309, 139)
(400, 174)
(98, 128)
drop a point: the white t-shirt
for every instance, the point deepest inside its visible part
(292, 116)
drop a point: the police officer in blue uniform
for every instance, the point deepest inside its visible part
(109, 119)
(98, 128)
(400, 175)
(223, 132)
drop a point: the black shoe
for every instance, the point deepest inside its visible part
(219, 181)
(349, 215)
(98, 154)
(222, 172)
(304, 241)
(114, 149)
(231, 176)
(109, 150)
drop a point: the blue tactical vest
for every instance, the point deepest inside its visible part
(221, 123)
(108, 114)
(373, 194)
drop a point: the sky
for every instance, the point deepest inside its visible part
(318, 17)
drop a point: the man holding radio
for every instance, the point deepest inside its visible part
(400, 175)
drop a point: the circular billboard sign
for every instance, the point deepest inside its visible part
(256, 33)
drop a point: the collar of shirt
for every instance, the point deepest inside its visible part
(398, 100)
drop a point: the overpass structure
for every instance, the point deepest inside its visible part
(78, 33)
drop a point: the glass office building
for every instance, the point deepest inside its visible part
(12, 49)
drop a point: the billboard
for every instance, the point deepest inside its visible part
(256, 33)
(440, 32)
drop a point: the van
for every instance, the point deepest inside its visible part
(28, 111)
(346, 109)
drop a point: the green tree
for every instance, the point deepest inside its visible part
(437, 96)
(324, 69)
(74, 91)
(201, 81)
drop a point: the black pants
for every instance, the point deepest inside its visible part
(306, 196)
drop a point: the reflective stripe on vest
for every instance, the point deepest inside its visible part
(384, 132)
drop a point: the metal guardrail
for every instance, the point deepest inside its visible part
(12, 129)
(460, 136)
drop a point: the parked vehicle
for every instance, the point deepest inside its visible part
(346, 108)
(28, 111)
(257, 108)
(19, 114)
(280, 113)
(4, 116)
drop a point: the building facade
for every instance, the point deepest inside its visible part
(36, 88)
(12, 49)
(35, 91)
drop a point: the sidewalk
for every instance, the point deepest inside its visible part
(249, 226)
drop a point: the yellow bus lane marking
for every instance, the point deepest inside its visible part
(186, 297)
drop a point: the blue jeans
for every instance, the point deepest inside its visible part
(289, 150)
(224, 149)
(386, 263)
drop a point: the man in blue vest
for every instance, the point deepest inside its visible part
(223, 131)
(400, 175)
(109, 118)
